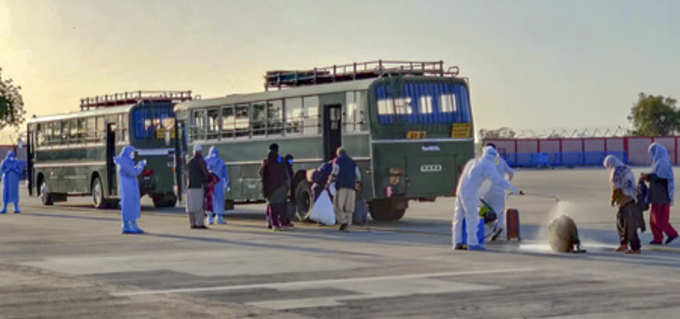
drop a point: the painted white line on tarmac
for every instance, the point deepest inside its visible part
(297, 284)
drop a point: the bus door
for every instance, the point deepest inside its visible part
(110, 153)
(31, 137)
(332, 135)
(180, 149)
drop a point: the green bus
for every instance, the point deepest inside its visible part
(408, 125)
(72, 154)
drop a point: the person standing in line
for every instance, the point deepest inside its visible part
(275, 184)
(629, 216)
(285, 220)
(661, 189)
(128, 188)
(216, 165)
(495, 197)
(345, 174)
(10, 171)
(198, 176)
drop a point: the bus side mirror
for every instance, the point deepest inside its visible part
(20, 143)
(167, 137)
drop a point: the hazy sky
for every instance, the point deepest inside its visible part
(532, 64)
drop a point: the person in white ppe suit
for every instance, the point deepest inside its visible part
(495, 197)
(476, 172)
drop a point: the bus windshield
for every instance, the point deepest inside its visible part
(151, 122)
(425, 102)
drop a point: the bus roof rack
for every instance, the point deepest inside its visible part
(355, 71)
(131, 97)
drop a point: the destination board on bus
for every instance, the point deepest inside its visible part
(461, 130)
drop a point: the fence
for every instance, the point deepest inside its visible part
(586, 151)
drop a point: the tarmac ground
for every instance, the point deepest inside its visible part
(71, 261)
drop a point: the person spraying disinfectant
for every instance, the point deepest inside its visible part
(476, 171)
(128, 188)
(495, 197)
(10, 170)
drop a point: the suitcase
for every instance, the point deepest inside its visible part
(512, 223)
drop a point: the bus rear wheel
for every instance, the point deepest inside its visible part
(385, 210)
(303, 200)
(45, 196)
(98, 200)
(164, 200)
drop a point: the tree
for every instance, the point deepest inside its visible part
(502, 132)
(654, 116)
(11, 104)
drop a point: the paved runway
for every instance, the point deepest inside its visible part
(70, 261)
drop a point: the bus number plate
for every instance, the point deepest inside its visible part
(415, 135)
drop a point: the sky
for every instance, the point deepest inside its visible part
(531, 64)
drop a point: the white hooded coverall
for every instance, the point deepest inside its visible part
(476, 171)
(495, 197)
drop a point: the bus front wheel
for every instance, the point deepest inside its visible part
(388, 209)
(98, 200)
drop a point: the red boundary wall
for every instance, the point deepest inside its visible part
(634, 146)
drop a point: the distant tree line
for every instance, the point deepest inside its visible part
(651, 115)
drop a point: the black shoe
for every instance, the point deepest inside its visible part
(193, 227)
(202, 227)
(460, 247)
(655, 242)
(670, 239)
(343, 227)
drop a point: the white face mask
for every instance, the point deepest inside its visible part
(132, 155)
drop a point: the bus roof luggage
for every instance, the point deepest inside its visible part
(133, 97)
(355, 71)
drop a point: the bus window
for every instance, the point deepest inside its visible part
(274, 117)
(47, 133)
(294, 115)
(228, 125)
(447, 103)
(349, 115)
(91, 129)
(101, 128)
(425, 104)
(39, 132)
(362, 106)
(213, 124)
(148, 122)
(258, 120)
(241, 120)
(123, 125)
(439, 102)
(311, 107)
(197, 127)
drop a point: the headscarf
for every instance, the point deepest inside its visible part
(11, 163)
(621, 176)
(489, 153)
(124, 156)
(661, 166)
(213, 161)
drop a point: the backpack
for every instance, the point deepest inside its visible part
(642, 196)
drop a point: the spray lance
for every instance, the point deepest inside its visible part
(538, 195)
